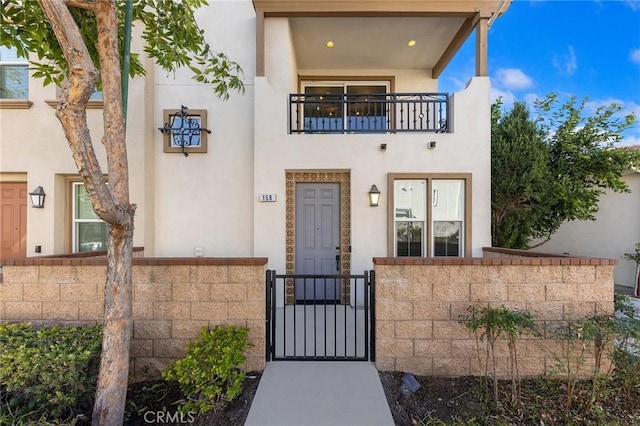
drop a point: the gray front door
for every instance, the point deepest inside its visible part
(318, 240)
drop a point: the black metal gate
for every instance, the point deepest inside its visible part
(317, 329)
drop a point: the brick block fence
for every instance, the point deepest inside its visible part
(420, 300)
(173, 298)
(418, 304)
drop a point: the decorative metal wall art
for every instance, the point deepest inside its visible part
(185, 130)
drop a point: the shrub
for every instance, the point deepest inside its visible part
(626, 353)
(493, 324)
(615, 336)
(208, 375)
(48, 373)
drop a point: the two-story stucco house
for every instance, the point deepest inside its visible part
(343, 156)
(341, 101)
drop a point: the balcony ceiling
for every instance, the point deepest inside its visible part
(372, 42)
(373, 34)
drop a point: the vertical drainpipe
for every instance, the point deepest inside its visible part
(126, 58)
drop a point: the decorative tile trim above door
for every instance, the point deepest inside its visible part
(342, 177)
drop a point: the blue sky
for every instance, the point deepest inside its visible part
(588, 48)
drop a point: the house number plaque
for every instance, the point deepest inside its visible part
(268, 198)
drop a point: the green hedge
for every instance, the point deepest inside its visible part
(48, 373)
(209, 375)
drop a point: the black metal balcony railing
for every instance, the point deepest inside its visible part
(371, 113)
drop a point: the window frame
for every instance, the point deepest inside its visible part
(93, 103)
(428, 232)
(167, 138)
(75, 221)
(16, 103)
(345, 82)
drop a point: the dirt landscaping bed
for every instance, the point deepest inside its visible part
(438, 401)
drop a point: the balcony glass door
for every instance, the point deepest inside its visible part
(323, 109)
(367, 108)
(335, 107)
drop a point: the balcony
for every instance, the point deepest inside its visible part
(373, 113)
(373, 34)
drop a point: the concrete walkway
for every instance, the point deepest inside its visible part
(310, 393)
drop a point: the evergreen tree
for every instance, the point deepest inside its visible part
(520, 178)
(554, 168)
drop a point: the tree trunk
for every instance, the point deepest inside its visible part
(110, 202)
(111, 391)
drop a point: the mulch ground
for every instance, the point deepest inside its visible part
(438, 401)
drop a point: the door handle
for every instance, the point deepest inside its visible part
(338, 262)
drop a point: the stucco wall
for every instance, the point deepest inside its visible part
(615, 231)
(466, 150)
(210, 201)
(419, 303)
(34, 150)
(172, 300)
(207, 199)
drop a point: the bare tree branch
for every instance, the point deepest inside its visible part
(71, 110)
(114, 138)
(82, 4)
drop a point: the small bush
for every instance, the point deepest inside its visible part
(208, 375)
(49, 373)
(626, 353)
(499, 323)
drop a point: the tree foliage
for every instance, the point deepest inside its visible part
(79, 43)
(171, 34)
(554, 167)
(520, 178)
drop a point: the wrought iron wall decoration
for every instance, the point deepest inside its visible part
(185, 130)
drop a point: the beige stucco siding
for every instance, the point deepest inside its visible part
(210, 200)
(615, 232)
(205, 200)
(32, 141)
(466, 150)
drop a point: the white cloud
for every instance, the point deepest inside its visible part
(568, 63)
(513, 79)
(633, 4)
(629, 140)
(630, 136)
(635, 56)
(530, 98)
(628, 107)
(631, 107)
(457, 83)
(506, 97)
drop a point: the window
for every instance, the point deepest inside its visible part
(410, 217)
(430, 215)
(335, 107)
(185, 131)
(89, 232)
(14, 75)
(447, 199)
(95, 101)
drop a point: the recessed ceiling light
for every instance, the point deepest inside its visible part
(411, 43)
(329, 44)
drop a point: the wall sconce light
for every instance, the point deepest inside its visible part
(383, 147)
(374, 196)
(37, 197)
(431, 144)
